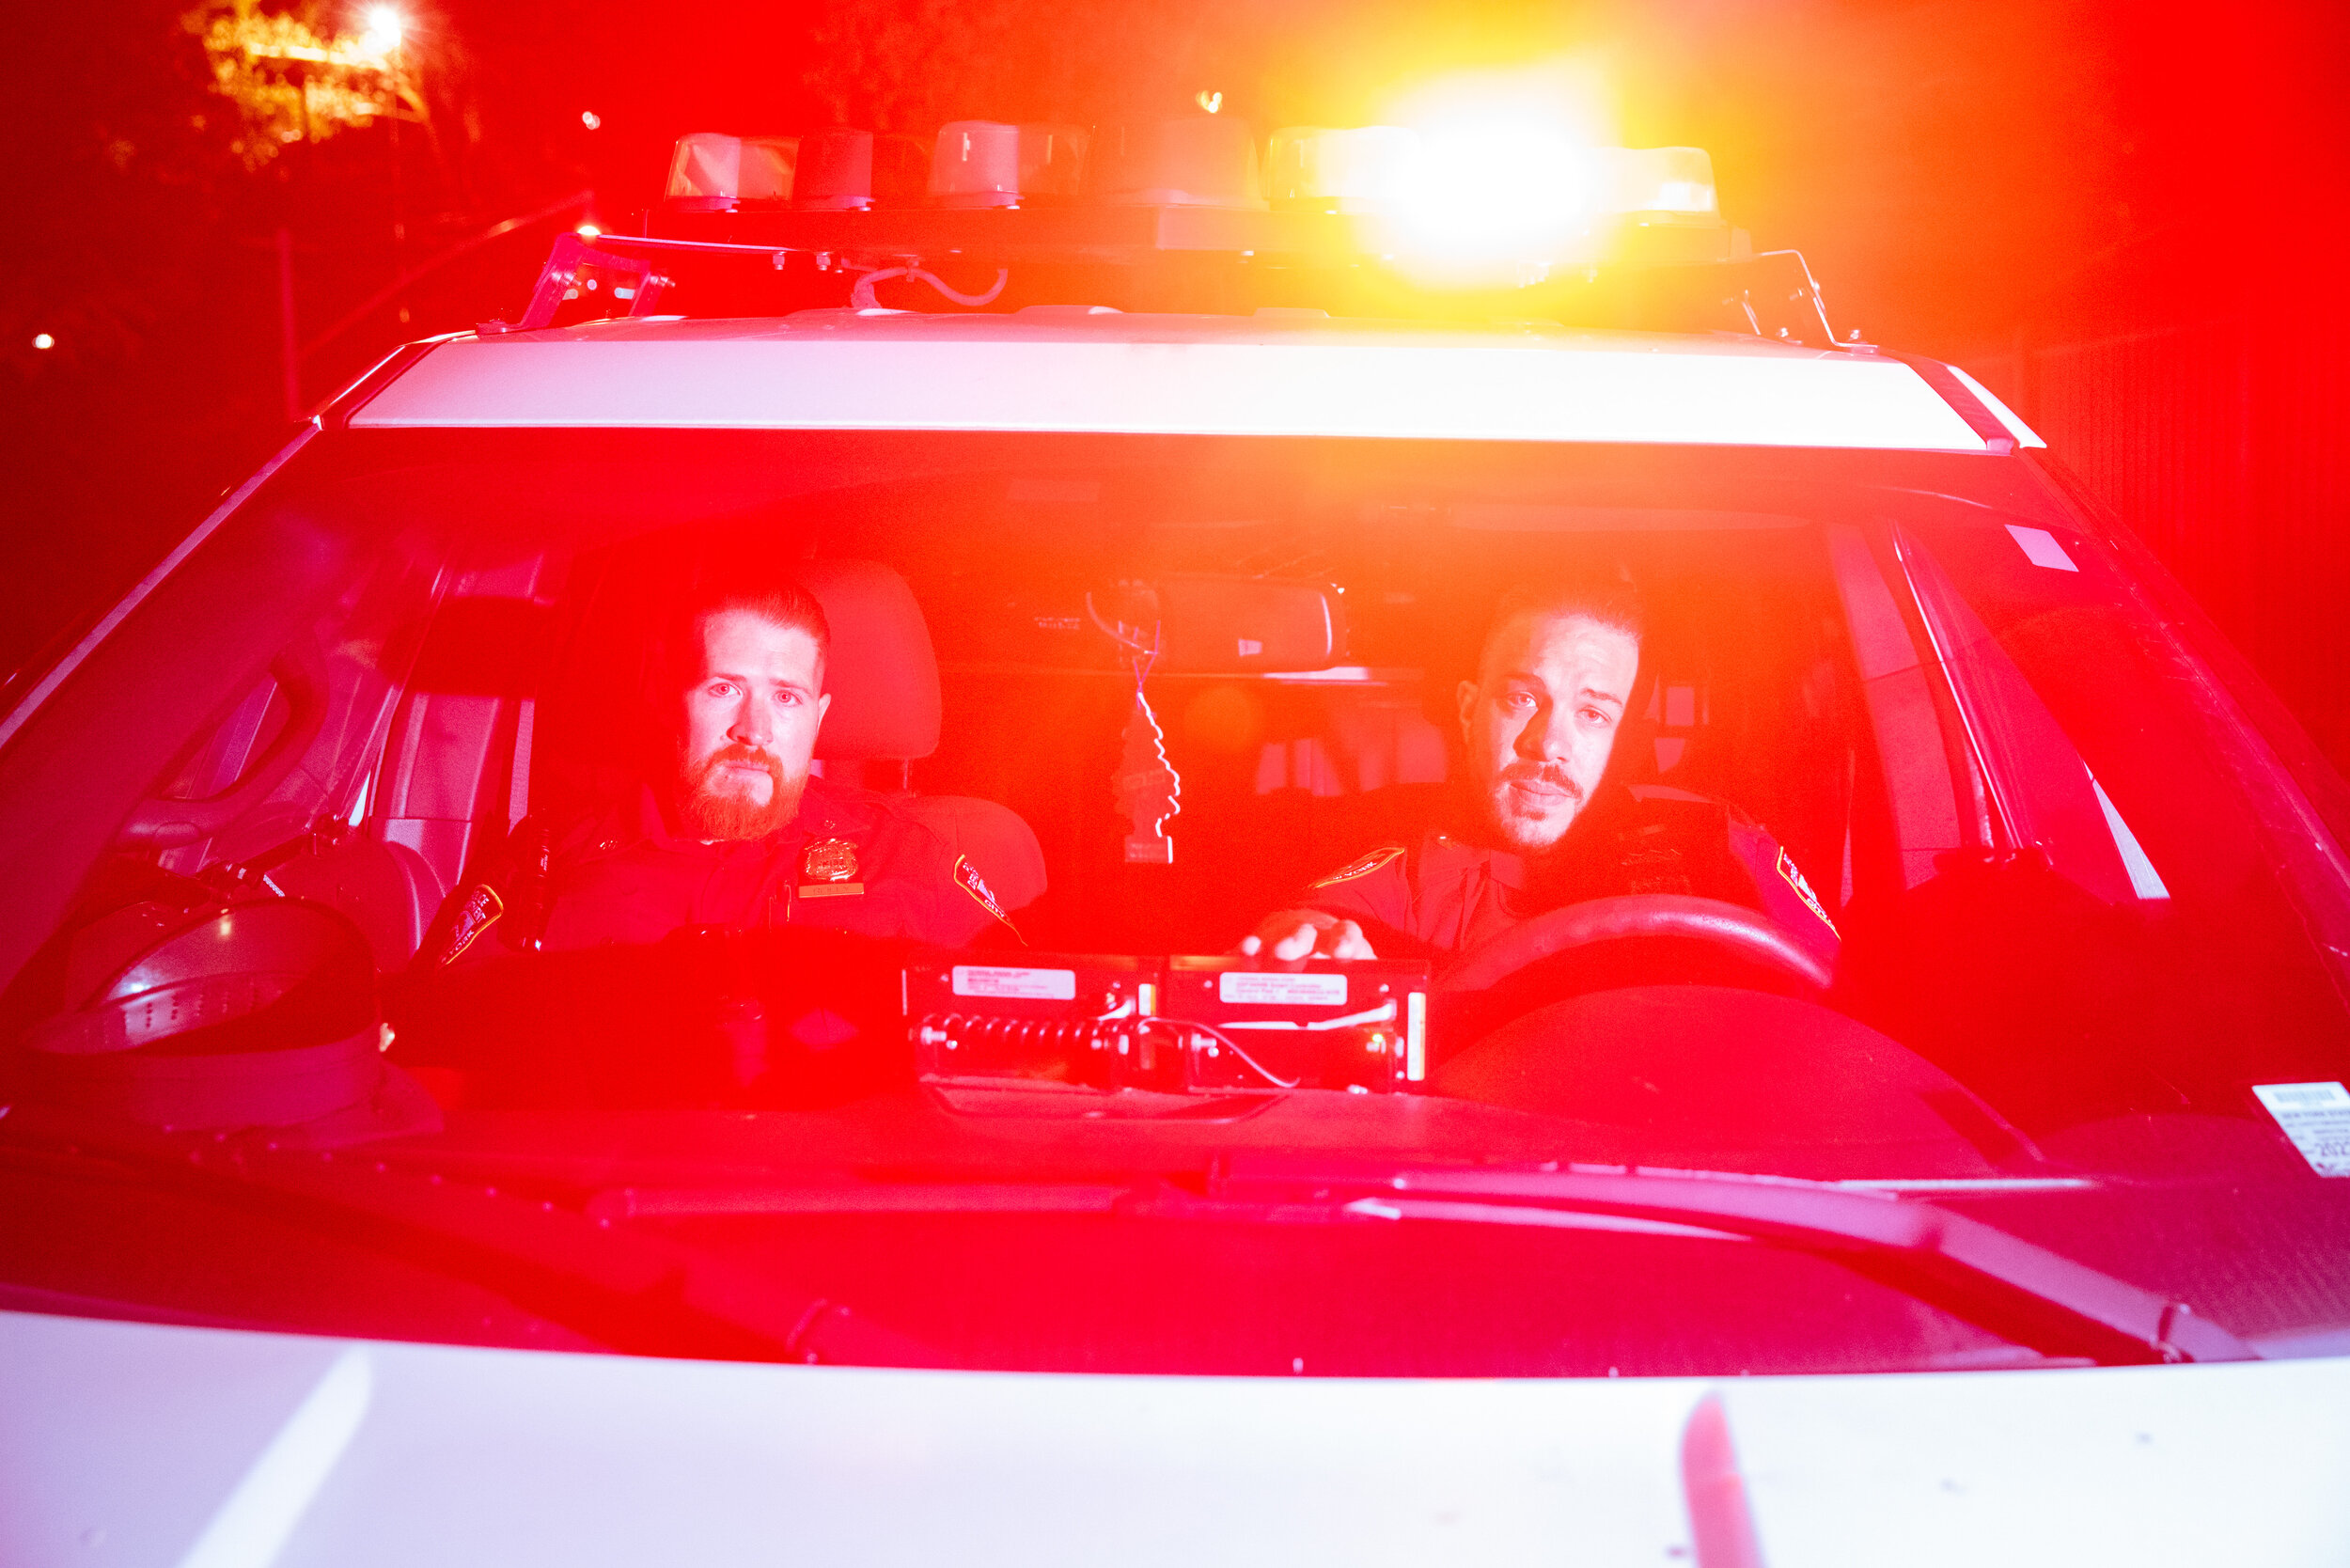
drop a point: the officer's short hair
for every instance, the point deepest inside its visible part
(1606, 595)
(777, 600)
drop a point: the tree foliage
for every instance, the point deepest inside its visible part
(293, 81)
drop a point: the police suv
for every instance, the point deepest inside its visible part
(1157, 485)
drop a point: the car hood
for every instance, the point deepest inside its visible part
(138, 1444)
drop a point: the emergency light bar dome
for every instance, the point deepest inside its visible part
(1316, 170)
(1673, 179)
(979, 163)
(712, 172)
(1377, 169)
(1200, 162)
(831, 170)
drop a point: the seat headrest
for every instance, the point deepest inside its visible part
(882, 674)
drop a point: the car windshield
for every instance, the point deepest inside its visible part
(1928, 850)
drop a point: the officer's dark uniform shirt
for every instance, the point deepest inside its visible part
(849, 859)
(1445, 895)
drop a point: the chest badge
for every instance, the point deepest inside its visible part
(828, 869)
(830, 860)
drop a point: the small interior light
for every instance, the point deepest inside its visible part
(587, 232)
(42, 340)
(591, 119)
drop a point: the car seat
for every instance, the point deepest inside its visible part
(453, 776)
(459, 761)
(883, 678)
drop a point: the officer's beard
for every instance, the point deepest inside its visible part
(712, 810)
(1529, 807)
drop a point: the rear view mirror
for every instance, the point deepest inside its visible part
(1205, 624)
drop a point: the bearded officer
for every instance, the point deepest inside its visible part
(1541, 825)
(739, 833)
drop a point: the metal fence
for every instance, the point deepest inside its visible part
(2223, 444)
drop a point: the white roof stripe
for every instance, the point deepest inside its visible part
(2024, 435)
(1514, 389)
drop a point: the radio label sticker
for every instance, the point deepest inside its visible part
(1252, 989)
(1035, 985)
(2316, 1117)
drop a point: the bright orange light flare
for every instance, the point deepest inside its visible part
(1507, 172)
(1478, 197)
(384, 28)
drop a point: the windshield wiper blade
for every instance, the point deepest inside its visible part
(630, 1293)
(2006, 1283)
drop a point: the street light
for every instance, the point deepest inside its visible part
(384, 29)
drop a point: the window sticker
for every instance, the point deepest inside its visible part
(2041, 548)
(2316, 1117)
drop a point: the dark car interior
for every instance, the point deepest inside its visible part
(2053, 896)
(1290, 642)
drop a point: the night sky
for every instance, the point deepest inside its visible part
(1958, 173)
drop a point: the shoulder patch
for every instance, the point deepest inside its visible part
(966, 876)
(476, 913)
(1361, 866)
(1793, 876)
(1667, 791)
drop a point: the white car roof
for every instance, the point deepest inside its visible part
(1067, 369)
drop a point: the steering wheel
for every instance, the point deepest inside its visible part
(1727, 926)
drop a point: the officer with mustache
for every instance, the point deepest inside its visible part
(1543, 827)
(739, 833)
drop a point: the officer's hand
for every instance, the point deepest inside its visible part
(1306, 934)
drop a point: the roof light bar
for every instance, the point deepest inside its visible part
(711, 171)
(978, 162)
(1669, 180)
(1204, 160)
(831, 170)
(1316, 170)
(835, 172)
(1384, 167)
(1519, 193)
(1483, 202)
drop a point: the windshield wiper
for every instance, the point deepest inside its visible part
(628, 1292)
(2007, 1284)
